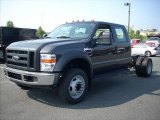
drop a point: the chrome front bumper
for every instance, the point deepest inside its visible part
(29, 78)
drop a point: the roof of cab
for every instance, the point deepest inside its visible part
(97, 22)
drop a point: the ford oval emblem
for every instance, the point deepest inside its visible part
(15, 58)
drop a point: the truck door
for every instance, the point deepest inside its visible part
(123, 48)
(103, 53)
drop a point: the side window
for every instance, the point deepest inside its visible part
(103, 34)
(121, 37)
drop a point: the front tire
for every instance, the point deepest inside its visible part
(74, 86)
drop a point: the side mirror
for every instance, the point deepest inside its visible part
(94, 41)
(44, 35)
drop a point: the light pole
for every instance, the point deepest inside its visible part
(129, 5)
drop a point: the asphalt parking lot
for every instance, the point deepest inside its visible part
(123, 97)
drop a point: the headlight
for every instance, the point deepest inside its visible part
(48, 62)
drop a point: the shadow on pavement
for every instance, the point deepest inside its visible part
(105, 93)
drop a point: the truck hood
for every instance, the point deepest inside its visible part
(33, 45)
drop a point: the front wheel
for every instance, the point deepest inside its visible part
(74, 86)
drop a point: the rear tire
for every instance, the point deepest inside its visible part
(147, 66)
(138, 66)
(74, 86)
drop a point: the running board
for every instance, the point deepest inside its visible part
(111, 74)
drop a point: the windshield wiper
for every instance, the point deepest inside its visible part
(63, 37)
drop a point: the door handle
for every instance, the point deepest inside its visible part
(119, 49)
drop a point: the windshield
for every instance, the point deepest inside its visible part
(73, 30)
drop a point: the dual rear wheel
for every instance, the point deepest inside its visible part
(144, 66)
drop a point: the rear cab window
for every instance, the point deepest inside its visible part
(120, 34)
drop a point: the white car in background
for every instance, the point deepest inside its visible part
(153, 41)
(144, 49)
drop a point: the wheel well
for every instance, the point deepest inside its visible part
(147, 51)
(82, 64)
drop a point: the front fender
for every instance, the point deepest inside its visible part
(71, 55)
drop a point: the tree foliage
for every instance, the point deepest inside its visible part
(40, 32)
(10, 24)
(135, 34)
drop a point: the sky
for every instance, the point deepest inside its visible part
(145, 14)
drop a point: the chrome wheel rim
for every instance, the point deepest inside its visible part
(76, 86)
(149, 67)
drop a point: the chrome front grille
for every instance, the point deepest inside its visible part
(20, 58)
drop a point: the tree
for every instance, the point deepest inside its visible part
(137, 35)
(151, 34)
(10, 24)
(131, 33)
(158, 34)
(40, 32)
